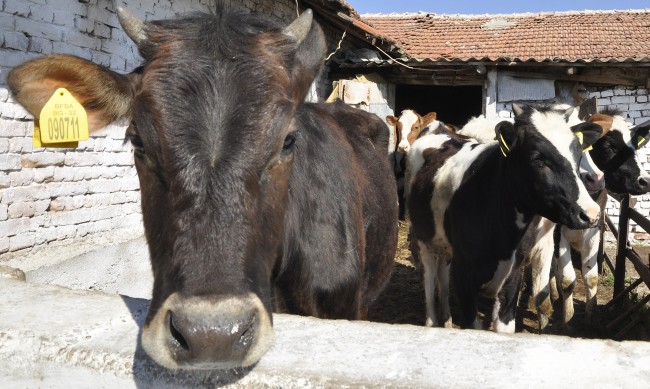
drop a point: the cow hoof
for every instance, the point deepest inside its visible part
(429, 323)
(448, 323)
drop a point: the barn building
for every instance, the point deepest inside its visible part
(467, 65)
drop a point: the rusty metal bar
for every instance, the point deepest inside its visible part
(623, 226)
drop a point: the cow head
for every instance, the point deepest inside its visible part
(211, 114)
(541, 147)
(408, 127)
(615, 154)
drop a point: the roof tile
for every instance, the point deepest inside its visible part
(561, 36)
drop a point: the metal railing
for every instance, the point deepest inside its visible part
(625, 252)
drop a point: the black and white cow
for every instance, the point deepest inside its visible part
(469, 204)
(253, 201)
(616, 154)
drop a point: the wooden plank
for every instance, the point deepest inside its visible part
(609, 79)
(640, 219)
(623, 225)
(641, 268)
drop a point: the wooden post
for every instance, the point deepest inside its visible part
(623, 228)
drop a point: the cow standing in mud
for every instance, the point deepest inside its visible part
(252, 200)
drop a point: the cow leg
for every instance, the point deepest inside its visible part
(505, 305)
(540, 260)
(589, 257)
(428, 259)
(567, 280)
(467, 294)
(443, 292)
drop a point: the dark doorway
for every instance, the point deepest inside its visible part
(453, 104)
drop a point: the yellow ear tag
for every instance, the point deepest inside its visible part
(62, 121)
(581, 139)
(503, 146)
(640, 142)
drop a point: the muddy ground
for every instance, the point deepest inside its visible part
(403, 301)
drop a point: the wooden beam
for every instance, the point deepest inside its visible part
(614, 78)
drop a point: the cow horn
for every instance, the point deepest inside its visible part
(133, 27)
(300, 27)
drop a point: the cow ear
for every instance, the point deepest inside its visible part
(506, 134)
(517, 109)
(310, 51)
(392, 120)
(105, 95)
(587, 108)
(587, 133)
(428, 119)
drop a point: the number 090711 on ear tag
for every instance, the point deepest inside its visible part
(63, 121)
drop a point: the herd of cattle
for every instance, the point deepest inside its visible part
(491, 194)
(254, 201)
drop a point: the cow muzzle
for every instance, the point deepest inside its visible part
(208, 332)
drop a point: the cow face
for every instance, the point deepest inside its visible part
(211, 115)
(615, 154)
(543, 149)
(409, 126)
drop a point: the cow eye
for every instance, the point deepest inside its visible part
(138, 147)
(289, 142)
(539, 162)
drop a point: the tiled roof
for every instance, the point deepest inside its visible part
(601, 36)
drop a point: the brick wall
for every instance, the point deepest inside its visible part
(52, 196)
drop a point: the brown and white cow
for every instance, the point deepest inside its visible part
(408, 127)
(470, 203)
(253, 201)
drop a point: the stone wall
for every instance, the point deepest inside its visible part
(55, 196)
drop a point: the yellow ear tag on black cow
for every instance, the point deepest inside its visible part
(641, 141)
(503, 146)
(581, 139)
(63, 122)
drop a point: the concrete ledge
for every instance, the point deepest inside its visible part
(56, 337)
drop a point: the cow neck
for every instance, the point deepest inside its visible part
(491, 188)
(512, 198)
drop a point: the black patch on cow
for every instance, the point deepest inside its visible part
(421, 192)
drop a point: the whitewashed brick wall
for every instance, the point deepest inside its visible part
(55, 195)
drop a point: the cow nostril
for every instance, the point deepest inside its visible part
(176, 334)
(246, 338)
(584, 217)
(642, 182)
